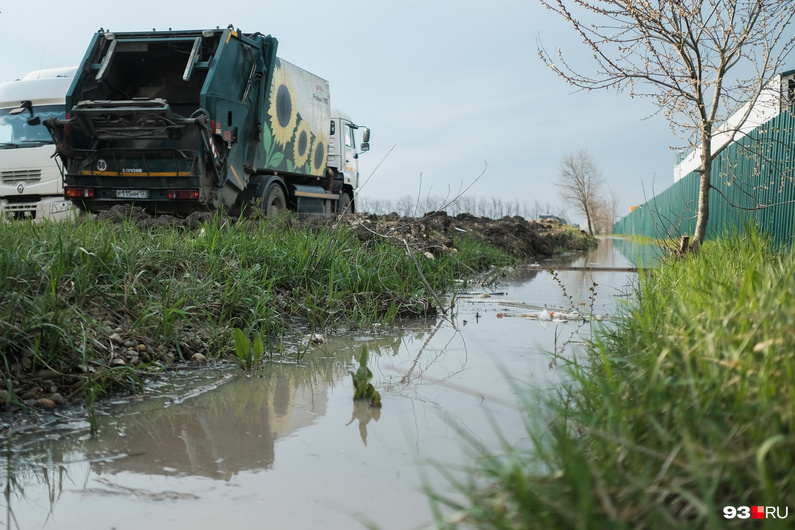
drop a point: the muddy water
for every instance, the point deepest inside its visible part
(286, 447)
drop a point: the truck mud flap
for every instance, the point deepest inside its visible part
(313, 199)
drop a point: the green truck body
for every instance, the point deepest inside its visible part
(180, 121)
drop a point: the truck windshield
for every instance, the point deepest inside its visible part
(15, 131)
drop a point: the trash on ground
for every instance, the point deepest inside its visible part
(553, 316)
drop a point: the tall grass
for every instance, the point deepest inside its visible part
(685, 406)
(72, 294)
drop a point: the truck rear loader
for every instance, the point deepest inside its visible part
(181, 121)
(30, 181)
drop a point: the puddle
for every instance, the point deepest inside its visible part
(286, 447)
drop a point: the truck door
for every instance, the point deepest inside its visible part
(350, 158)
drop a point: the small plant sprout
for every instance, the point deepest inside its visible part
(362, 388)
(562, 286)
(249, 354)
(92, 390)
(592, 296)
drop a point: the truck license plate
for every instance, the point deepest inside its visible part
(132, 194)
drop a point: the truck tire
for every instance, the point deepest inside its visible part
(344, 206)
(273, 200)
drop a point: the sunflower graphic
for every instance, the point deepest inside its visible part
(283, 110)
(319, 155)
(303, 144)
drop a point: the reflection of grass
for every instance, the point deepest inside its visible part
(18, 471)
(687, 406)
(363, 389)
(573, 237)
(11, 485)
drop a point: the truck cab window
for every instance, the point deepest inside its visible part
(16, 130)
(349, 139)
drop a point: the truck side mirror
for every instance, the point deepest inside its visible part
(365, 145)
(24, 106)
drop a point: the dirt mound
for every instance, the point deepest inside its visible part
(434, 232)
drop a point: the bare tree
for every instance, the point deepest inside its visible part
(605, 212)
(599, 216)
(699, 60)
(535, 210)
(611, 202)
(407, 206)
(579, 184)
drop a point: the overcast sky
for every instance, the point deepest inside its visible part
(453, 86)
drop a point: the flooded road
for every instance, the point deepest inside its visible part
(286, 446)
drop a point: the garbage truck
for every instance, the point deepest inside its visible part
(30, 180)
(184, 121)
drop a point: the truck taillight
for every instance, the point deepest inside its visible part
(183, 195)
(79, 193)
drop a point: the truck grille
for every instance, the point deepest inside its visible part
(20, 175)
(22, 210)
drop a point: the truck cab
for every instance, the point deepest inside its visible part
(343, 156)
(30, 181)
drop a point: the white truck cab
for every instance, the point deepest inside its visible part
(342, 150)
(30, 180)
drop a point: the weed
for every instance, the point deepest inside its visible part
(562, 287)
(248, 353)
(93, 391)
(592, 296)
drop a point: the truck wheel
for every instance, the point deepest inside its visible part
(344, 204)
(273, 200)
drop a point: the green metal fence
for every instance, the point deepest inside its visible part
(754, 180)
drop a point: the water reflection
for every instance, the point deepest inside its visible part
(587, 283)
(364, 413)
(223, 429)
(640, 255)
(214, 435)
(223, 447)
(214, 424)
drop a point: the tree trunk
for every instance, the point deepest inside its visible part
(703, 190)
(588, 219)
(703, 208)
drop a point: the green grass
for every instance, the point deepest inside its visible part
(685, 406)
(71, 294)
